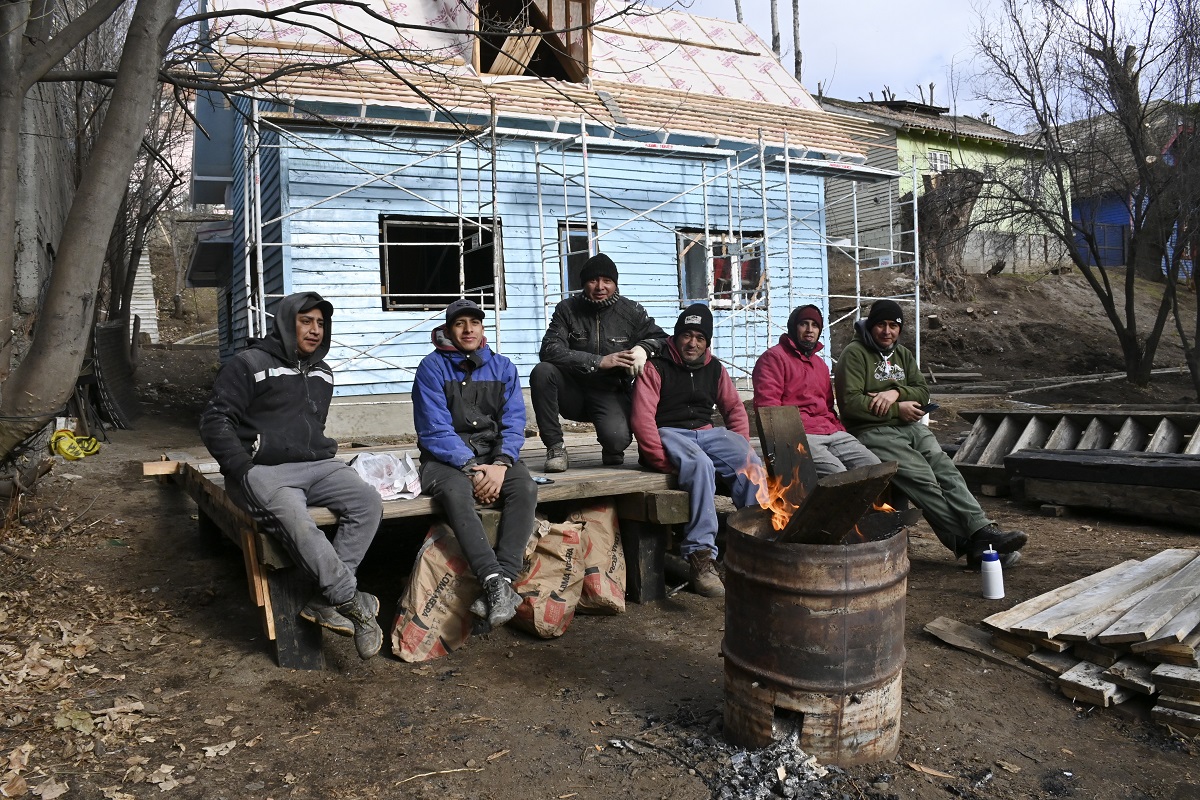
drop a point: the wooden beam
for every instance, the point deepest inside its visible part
(1167, 438)
(976, 441)
(1054, 620)
(1086, 630)
(1176, 630)
(1064, 436)
(974, 641)
(1085, 683)
(785, 451)
(1177, 506)
(1132, 436)
(1132, 673)
(836, 503)
(1005, 620)
(1169, 597)
(1096, 436)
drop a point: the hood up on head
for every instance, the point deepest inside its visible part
(283, 331)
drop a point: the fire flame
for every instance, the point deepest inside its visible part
(774, 494)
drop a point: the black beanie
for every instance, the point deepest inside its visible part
(696, 317)
(598, 266)
(882, 310)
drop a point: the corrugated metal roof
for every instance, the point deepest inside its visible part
(667, 73)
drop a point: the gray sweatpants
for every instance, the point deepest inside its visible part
(279, 497)
(838, 452)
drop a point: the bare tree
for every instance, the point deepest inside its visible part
(1105, 92)
(737, 10)
(40, 42)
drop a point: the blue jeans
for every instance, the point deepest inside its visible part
(699, 456)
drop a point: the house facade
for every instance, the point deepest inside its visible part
(493, 166)
(923, 141)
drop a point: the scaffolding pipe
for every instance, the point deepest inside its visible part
(497, 232)
(791, 267)
(916, 267)
(542, 248)
(260, 317)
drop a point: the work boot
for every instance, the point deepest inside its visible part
(361, 611)
(705, 579)
(321, 613)
(557, 459)
(991, 536)
(1007, 560)
(613, 459)
(502, 600)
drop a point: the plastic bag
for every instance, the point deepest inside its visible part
(394, 477)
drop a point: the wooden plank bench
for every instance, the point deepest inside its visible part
(647, 505)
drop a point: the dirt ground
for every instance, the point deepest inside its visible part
(132, 663)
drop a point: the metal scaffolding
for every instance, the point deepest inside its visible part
(757, 186)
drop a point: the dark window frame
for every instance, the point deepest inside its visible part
(439, 274)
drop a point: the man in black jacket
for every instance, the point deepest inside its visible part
(597, 343)
(265, 426)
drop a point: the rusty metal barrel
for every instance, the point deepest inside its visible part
(814, 642)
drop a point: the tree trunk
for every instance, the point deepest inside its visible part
(13, 17)
(46, 377)
(798, 55)
(775, 47)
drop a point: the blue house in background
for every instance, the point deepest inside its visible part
(491, 162)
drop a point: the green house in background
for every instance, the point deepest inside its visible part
(936, 142)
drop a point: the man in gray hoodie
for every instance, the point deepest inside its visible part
(265, 426)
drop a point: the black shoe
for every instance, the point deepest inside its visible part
(557, 459)
(1007, 560)
(502, 601)
(613, 459)
(1000, 541)
(361, 611)
(321, 613)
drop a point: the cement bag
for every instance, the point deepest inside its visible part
(394, 477)
(552, 579)
(433, 617)
(603, 560)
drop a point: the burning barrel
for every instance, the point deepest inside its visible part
(814, 639)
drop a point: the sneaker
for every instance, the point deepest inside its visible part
(361, 611)
(502, 601)
(613, 459)
(1007, 560)
(318, 612)
(705, 579)
(1000, 541)
(557, 459)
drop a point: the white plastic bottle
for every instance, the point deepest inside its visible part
(993, 575)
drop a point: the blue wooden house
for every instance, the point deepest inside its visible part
(491, 161)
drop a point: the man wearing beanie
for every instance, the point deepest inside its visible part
(673, 401)
(597, 343)
(881, 393)
(792, 374)
(470, 420)
(265, 426)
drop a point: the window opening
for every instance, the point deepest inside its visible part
(421, 258)
(575, 247)
(737, 269)
(534, 37)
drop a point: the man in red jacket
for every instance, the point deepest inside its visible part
(792, 374)
(673, 401)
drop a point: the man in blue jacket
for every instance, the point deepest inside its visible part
(265, 426)
(470, 420)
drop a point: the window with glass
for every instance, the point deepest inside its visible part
(736, 277)
(429, 262)
(939, 160)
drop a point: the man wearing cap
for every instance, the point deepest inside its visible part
(881, 394)
(597, 343)
(673, 401)
(792, 374)
(265, 426)
(470, 420)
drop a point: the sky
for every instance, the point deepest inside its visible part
(853, 47)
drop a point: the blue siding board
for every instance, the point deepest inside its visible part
(332, 243)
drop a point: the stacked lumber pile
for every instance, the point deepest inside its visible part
(1132, 629)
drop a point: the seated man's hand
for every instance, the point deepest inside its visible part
(639, 361)
(910, 411)
(487, 482)
(622, 360)
(882, 402)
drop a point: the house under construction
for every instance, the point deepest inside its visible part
(502, 145)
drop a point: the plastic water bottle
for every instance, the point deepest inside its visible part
(993, 575)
